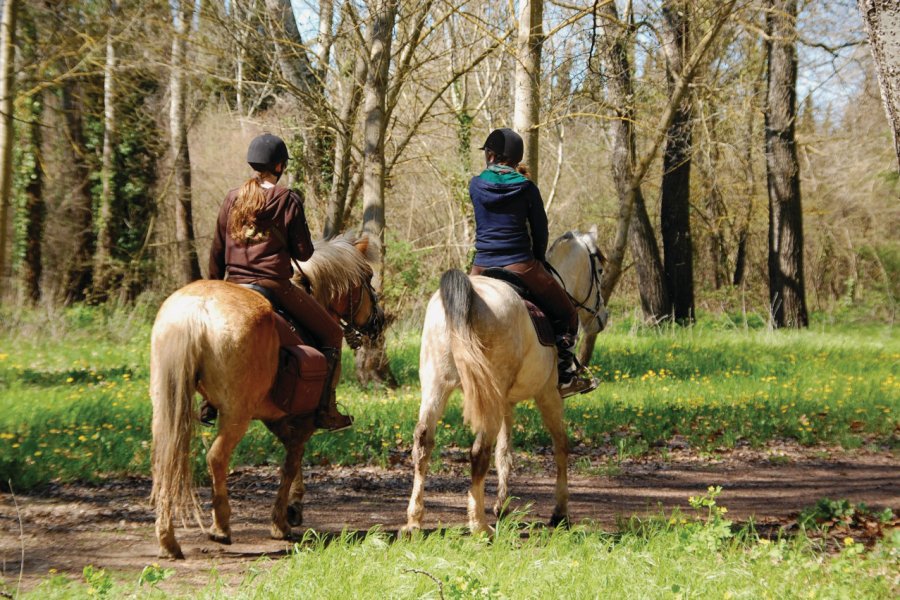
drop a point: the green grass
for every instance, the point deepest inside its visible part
(74, 402)
(654, 558)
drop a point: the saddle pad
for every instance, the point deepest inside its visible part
(541, 322)
(300, 379)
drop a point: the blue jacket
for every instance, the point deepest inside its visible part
(510, 222)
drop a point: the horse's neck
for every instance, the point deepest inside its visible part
(570, 267)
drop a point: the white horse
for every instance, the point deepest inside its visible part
(478, 336)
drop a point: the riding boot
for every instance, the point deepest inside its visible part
(327, 414)
(208, 414)
(572, 376)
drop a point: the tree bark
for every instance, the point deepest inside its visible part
(103, 265)
(882, 21)
(78, 274)
(189, 265)
(7, 76)
(526, 119)
(371, 358)
(343, 145)
(675, 223)
(632, 210)
(35, 208)
(787, 294)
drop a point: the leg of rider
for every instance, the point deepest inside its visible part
(563, 316)
(319, 322)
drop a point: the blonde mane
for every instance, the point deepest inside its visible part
(336, 266)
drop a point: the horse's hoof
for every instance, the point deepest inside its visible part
(295, 515)
(173, 553)
(501, 511)
(407, 531)
(220, 538)
(277, 533)
(560, 521)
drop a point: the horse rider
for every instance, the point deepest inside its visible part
(260, 229)
(511, 232)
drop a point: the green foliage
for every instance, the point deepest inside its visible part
(74, 405)
(826, 513)
(98, 580)
(153, 575)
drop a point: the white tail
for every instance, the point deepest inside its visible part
(174, 356)
(482, 400)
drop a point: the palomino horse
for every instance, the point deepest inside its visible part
(219, 339)
(478, 336)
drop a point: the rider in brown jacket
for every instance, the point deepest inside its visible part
(260, 229)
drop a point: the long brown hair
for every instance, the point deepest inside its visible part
(250, 201)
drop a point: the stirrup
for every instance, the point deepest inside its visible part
(578, 384)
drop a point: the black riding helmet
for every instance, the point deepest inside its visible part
(506, 144)
(265, 152)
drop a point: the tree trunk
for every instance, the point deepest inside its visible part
(78, 273)
(787, 294)
(189, 265)
(371, 359)
(7, 93)
(526, 119)
(35, 208)
(882, 21)
(343, 148)
(675, 224)
(103, 266)
(632, 210)
(655, 302)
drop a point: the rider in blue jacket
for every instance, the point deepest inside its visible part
(511, 233)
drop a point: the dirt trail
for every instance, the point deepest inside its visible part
(110, 525)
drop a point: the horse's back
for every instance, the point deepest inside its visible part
(233, 329)
(511, 348)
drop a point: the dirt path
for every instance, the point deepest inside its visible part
(110, 525)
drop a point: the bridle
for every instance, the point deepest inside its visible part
(371, 329)
(596, 272)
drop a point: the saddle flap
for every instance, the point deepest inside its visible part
(301, 379)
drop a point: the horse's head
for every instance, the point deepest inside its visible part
(339, 275)
(579, 264)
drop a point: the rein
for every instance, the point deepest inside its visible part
(595, 285)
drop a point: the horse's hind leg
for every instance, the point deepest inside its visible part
(434, 401)
(231, 430)
(481, 461)
(550, 404)
(503, 463)
(293, 434)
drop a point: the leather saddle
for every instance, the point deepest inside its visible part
(539, 318)
(302, 368)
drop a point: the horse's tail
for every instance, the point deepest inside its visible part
(482, 401)
(174, 365)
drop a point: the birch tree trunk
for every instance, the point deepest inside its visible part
(675, 222)
(7, 75)
(103, 255)
(787, 294)
(371, 359)
(526, 119)
(189, 266)
(882, 21)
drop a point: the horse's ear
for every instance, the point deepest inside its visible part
(593, 232)
(568, 235)
(362, 244)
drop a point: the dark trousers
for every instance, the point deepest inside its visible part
(548, 293)
(311, 315)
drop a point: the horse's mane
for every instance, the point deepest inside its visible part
(589, 239)
(336, 266)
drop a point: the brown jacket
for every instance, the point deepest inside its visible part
(284, 234)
